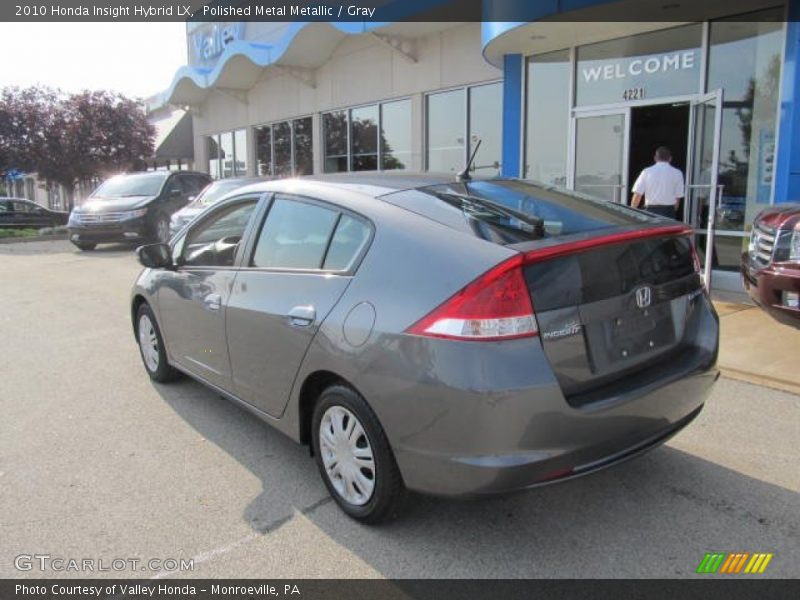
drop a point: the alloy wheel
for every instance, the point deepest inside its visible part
(148, 342)
(347, 455)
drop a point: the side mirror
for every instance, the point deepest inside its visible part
(155, 256)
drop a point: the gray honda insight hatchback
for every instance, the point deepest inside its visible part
(453, 338)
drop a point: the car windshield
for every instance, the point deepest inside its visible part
(142, 184)
(215, 191)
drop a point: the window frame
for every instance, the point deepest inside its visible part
(261, 220)
(217, 137)
(292, 152)
(466, 89)
(349, 120)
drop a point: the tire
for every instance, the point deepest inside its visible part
(151, 346)
(85, 246)
(333, 413)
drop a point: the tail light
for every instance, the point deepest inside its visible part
(696, 260)
(496, 306)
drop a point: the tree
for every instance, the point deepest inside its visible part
(69, 138)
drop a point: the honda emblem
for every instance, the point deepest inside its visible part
(644, 296)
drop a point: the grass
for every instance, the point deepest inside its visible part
(13, 233)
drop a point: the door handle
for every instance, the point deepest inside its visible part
(302, 316)
(212, 302)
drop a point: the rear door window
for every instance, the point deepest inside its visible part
(295, 235)
(348, 242)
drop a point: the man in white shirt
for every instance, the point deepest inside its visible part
(661, 186)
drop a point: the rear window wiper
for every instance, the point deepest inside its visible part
(476, 207)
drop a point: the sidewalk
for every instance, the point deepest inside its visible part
(756, 348)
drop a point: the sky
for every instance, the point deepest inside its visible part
(137, 59)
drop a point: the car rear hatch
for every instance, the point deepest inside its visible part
(618, 310)
(616, 293)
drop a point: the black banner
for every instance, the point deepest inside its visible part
(373, 11)
(733, 588)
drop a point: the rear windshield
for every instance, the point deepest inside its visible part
(142, 184)
(513, 211)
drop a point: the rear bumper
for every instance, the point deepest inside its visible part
(134, 230)
(574, 445)
(495, 419)
(766, 286)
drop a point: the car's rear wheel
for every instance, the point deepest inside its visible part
(151, 346)
(354, 457)
(85, 246)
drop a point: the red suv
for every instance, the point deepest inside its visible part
(771, 265)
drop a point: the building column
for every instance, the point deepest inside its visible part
(317, 143)
(787, 163)
(512, 115)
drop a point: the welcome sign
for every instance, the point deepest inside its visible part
(608, 81)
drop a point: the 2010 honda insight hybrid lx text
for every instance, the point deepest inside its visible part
(419, 333)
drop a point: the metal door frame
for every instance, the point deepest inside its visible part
(623, 110)
(715, 192)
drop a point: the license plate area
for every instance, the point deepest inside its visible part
(635, 332)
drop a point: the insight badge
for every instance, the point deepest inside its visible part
(734, 563)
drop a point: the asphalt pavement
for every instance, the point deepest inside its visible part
(98, 463)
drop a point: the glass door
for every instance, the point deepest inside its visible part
(703, 193)
(600, 154)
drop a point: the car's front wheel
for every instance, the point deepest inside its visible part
(354, 457)
(151, 346)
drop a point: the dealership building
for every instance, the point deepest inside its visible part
(578, 95)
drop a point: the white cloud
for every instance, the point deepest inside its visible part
(137, 59)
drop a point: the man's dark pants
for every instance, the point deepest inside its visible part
(663, 210)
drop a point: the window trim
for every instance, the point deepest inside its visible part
(217, 137)
(271, 125)
(250, 248)
(348, 115)
(467, 129)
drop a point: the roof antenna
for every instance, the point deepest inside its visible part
(464, 175)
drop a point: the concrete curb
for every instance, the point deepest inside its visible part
(755, 379)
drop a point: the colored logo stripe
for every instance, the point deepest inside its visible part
(734, 562)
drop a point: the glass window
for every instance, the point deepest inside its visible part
(745, 61)
(240, 146)
(446, 127)
(396, 135)
(546, 139)
(214, 169)
(649, 65)
(226, 154)
(335, 131)
(349, 239)
(295, 235)
(214, 242)
(486, 124)
(264, 150)
(364, 138)
(303, 146)
(282, 140)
